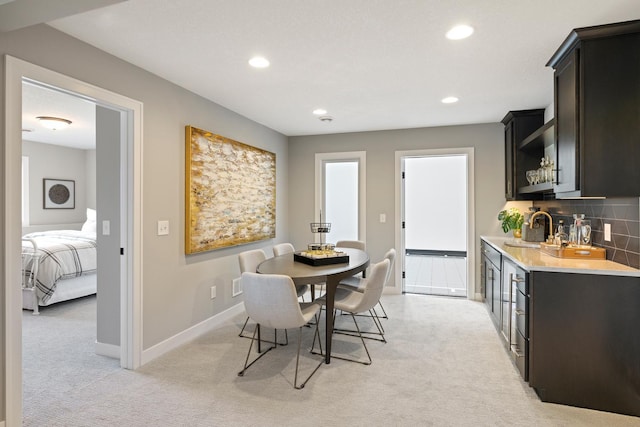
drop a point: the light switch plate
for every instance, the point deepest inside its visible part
(607, 232)
(163, 228)
(106, 227)
(383, 218)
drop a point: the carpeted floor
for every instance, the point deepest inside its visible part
(444, 365)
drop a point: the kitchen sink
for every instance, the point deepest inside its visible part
(519, 243)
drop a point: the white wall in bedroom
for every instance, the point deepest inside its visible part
(51, 161)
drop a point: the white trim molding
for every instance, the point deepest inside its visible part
(108, 350)
(192, 333)
(472, 290)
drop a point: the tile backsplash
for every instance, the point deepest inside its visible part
(623, 214)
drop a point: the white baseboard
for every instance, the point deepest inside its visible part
(190, 334)
(108, 350)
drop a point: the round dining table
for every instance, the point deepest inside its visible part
(330, 275)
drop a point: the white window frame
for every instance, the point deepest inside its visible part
(359, 156)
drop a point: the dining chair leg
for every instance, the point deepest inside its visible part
(295, 381)
(384, 312)
(365, 334)
(368, 362)
(243, 327)
(246, 361)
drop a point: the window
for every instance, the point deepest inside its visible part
(340, 194)
(25, 191)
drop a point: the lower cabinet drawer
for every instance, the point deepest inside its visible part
(520, 353)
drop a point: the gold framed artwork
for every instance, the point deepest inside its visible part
(230, 192)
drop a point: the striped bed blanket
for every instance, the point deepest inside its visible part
(61, 254)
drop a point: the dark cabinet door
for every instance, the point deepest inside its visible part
(597, 106)
(509, 151)
(518, 125)
(567, 93)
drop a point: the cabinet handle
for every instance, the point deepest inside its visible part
(517, 279)
(520, 312)
(516, 350)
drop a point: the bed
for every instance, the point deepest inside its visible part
(57, 265)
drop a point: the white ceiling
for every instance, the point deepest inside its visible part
(41, 101)
(373, 64)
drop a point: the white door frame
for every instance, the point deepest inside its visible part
(131, 197)
(399, 203)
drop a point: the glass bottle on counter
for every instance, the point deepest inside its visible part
(561, 237)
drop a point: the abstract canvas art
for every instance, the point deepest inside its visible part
(230, 192)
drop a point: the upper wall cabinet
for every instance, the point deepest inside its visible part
(597, 112)
(518, 125)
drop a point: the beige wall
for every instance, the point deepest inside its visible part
(486, 139)
(175, 287)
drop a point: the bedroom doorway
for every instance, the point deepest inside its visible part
(129, 132)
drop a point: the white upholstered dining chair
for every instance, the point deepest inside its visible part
(353, 302)
(357, 284)
(271, 300)
(249, 261)
(287, 248)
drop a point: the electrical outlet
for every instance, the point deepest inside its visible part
(607, 232)
(213, 292)
(383, 218)
(236, 287)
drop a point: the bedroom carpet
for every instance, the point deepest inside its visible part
(443, 366)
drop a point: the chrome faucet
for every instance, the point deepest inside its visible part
(535, 214)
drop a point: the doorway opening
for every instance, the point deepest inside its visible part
(436, 225)
(129, 193)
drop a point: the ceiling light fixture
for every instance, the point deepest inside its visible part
(53, 123)
(449, 100)
(459, 32)
(319, 111)
(327, 119)
(259, 62)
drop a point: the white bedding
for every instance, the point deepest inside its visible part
(61, 254)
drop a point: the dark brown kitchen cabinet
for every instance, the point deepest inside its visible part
(597, 112)
(490, 276)
(584, 346)
(515, 310)
(518, 125)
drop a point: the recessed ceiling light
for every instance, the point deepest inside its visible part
(259, 62)
(53, 123)
(319, 111)
(449, 100)
(459, 32)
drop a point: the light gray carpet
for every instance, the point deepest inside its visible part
(443, 366)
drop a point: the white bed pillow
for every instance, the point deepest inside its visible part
(90, 224)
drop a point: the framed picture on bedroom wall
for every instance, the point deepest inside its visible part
(230, 192)
(59, 193)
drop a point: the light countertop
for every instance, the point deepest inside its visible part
(532, 259)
